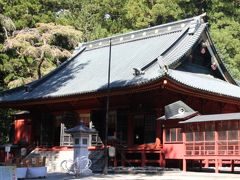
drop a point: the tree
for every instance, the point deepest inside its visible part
(126, 15)
(36, 51)
(26, 13)
(224, 17)
(5, 125)
(138, 13)
(90, 18)
(6, 27)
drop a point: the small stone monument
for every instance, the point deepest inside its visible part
(81, 136)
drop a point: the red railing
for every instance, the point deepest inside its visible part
(205, 148)
(228, 147)
(200, 148)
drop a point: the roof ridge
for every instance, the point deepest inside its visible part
(200, 75)
(142, 33)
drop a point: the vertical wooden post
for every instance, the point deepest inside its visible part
(158, 133)
(200, 165)
(143, 157)
(184, 151)
(164, 136)
(184, 143)
(162, 161)
(115, 161)
(220, 162)
(206, 163)
(130, 130)
(158, 128)
(123, 158)
(232, 166)
(216, 151)
(216, 166)
(7, 157)
(184, 165)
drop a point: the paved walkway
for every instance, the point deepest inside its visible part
(161, 176)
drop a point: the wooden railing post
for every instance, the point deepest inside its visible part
(143, 157)
(216, 152)
(216, 142)
(185, 153)
(216, 165)
(162, 161)
(232, 166)
(184, 164)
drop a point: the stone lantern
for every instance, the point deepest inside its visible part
(81, 139)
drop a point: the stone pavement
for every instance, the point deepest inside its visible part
(168, 175)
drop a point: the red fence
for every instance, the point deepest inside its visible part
(205, 148)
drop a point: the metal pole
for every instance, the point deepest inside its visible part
(105, 170)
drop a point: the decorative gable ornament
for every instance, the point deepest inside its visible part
(195, 23)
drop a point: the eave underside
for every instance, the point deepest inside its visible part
(97, 100)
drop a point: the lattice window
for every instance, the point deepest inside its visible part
(65, 138)
(173, 135)
(209, 135)
(94, 139)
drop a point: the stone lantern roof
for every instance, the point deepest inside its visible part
(81, 128)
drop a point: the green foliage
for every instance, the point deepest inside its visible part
(97, 19)
(138, 13)
(36, 51)
(165, 11)
(225, 23)
(26, 13)
(45, 28)
(5, 126)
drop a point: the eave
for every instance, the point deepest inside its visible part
(165, 82)
(179, 87)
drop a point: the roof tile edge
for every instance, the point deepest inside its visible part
(143, 33)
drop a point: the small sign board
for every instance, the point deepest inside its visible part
(7, 148)
(112, 151)
(8, 172)
(23, 151)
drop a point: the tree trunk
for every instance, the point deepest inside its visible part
(41, 59)
(5, 32)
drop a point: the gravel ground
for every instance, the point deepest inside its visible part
(178, 175)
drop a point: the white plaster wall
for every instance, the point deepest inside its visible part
(55, 158)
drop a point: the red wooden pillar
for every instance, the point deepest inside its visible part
(158, 133)
(122, 159)
(23, 130)
(159, 130)
(159, 139)
(232, 166)
(130, 130)
(216, 152)
(200, 165)
(143, 158)
(162, 161)
(220, 162)
(216, 166)
(206, 163)
(115, 161)
(184, 147)
(184, 164)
